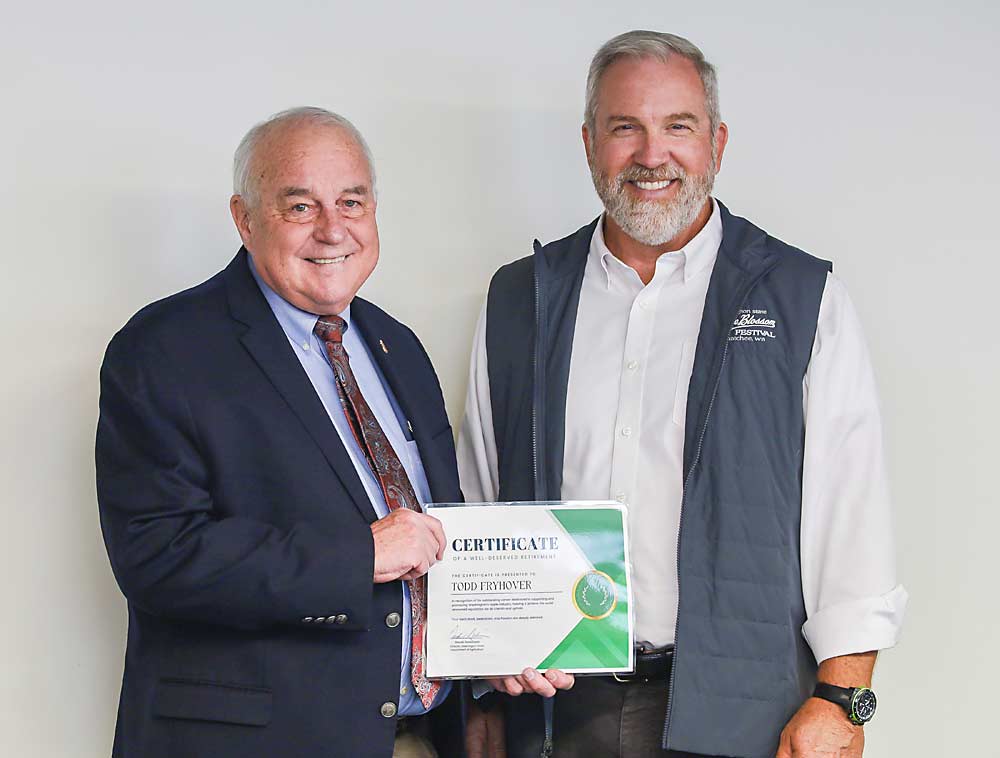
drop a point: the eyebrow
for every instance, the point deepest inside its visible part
(359, 189)
(680, 116)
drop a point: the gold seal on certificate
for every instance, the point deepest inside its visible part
(545, 585)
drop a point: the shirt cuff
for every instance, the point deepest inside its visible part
(870, 623)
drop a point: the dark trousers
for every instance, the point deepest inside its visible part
(598, 718)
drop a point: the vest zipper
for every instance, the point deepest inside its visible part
(687, 480)
(538, 418)
(538, 387)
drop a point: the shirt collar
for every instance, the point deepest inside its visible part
(694, 257)
(295, 322)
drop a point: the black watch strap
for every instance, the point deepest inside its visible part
(847, 698)
(839, 695)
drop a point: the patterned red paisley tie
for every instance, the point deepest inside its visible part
(391, 475)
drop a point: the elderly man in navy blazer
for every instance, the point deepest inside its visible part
(265, 444)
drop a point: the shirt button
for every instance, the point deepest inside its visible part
(404, 690)
(644, 304)
(620, 497)
(305, 345)
(388, 710)
(626, 431)
(392, 620)
(340, 619)
(632, 365)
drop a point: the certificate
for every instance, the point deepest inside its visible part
(545, 585)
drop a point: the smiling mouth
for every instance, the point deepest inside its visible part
(649, 186)
(329, 261)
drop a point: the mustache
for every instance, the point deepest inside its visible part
(659, 174)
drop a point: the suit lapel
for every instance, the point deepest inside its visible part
(267, 343)
(373, 332)
(398, 367)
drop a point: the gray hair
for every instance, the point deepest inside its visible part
(645, 44)
(244, 183)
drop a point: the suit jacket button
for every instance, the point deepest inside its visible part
(341, 618)
(307, 620)
(388, 710)
(392, 620)
(319, 619)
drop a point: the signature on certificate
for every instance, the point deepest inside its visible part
(472, 634)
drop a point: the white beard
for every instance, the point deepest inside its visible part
(654, 222)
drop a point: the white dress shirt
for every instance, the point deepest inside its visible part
(633, 351)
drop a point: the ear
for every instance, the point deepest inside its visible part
(586, 141)
(721, 138)
(241, 217)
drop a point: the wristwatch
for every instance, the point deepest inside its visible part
(858, 702)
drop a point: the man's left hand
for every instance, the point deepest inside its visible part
(532, 680)
(821, 730)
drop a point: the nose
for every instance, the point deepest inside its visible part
(653, 151)
(330, 228)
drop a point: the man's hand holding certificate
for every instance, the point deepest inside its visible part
(537, 585)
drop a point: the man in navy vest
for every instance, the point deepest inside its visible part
(675, 357)
(265, 442)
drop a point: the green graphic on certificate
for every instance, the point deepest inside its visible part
(602, 638)
(594, 595)
(530, 584)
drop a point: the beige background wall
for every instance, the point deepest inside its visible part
(864, 132)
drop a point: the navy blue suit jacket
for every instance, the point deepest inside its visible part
(238, 530)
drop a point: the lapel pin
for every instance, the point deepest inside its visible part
(384, 348)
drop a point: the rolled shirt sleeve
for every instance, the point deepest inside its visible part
(853, 601)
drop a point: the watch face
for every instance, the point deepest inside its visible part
(864, 705)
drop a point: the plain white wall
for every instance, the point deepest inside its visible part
(862, 132)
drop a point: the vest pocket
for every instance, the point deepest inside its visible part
(211, 701)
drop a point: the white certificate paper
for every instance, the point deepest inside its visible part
(530, 584)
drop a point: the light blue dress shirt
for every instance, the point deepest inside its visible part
(298, 327)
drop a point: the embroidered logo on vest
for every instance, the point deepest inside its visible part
(752, 325)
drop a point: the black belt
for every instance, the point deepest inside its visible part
(651, 665)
